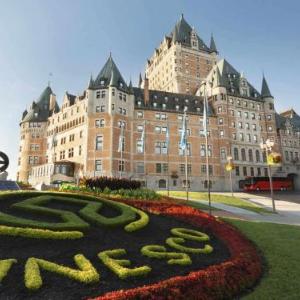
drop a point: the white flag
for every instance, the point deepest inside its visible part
(121, 139)
(183, 133)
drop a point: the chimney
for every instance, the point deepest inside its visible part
(146, 90)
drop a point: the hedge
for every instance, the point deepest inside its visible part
(190, 234)
(112, 183)
(118, 266)
(40, 233)
(86, 273)
(5, 266)
(175, 243)
(160, 252)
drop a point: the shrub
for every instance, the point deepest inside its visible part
(40, 233)
(111, 183)
(118, 266)
(5, 266)
(176, 244)
(190, 234)
(141, 223)
(86, 273)
(160, 252)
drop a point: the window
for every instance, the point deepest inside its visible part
(81, 134)
(121, 165)
(245, 171)
(99, 142)
(210, 169)
(157, 129)
(247, 126)
(161, 148)
(80, 150)
(139, 146)
(258, 172)
(223, 153)
(254, 127)
(248, 137)
(269, 117)
(187, 149)
(234, 136)
(286, 153)
(243, 154)
(240, 125)
(270, 128)
(161, 168)
(140, 167)
(140, 114)
(255, 138)
(71, 152)
(162, 183)
(241, 135)
(102, 108)
(266, 172)
(233, 124)
(62, 154)
(250, 154)
(246, 114)
(219, 109)
(239, 114)
(264, 156)
(257, 155)
(98, 165)
(237, 171)
(97, 108)
(235, 154)
(251, 171)
(182, 169)
(253, 116)
(140, 128)
(99, 123)
(221, 133)
(71, 137)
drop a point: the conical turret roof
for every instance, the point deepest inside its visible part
(108, 71)
(213, 47)
(265, 91)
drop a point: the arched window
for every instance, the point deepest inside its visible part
(236, 154)
(264, 157)
(257, 155)
(250, 154)
(162, 184)
(243, 153)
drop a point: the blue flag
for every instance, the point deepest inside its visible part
(183, 133)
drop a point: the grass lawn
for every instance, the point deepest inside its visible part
(280, 246)
(228, 200)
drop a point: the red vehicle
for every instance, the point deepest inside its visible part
(263, 184)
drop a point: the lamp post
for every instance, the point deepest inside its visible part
(267, 147)
(229, 168)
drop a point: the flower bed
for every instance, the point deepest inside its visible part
(225, 280)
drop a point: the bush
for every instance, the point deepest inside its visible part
(40, 233)
(118, 266)
(112, 183)
(5, 266)
(141, 223)
(86, 273)
(190, 234)
(160, 252)
(176, 244)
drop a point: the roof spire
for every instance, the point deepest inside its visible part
(130, 88)
(265, 91)
(213, 47)
(181, 16)
(140, 80)
(91, 82)
(113, 80)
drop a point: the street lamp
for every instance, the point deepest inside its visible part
(267, 147)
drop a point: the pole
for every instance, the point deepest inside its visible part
(168, 161)
(121, 140)
(186, 159)
(231, 184)
(206, 152)
(271, 186)
(144, 150)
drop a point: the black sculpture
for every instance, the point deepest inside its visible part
(4, 161)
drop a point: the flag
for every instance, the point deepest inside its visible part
(183, 133)
(167, 138)
(121, 139)
(205, 117)
(143, 139)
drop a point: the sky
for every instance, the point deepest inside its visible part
(73, 38)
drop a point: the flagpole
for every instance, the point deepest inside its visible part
(121, 148)
(186, 159)
(144, 151)
(168, 160)
(206, 150)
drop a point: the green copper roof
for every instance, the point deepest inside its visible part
(39, 110)
(109, 75)
(182, 34)
(265, 91)
(213, 47)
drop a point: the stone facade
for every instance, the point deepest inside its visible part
(82, 138)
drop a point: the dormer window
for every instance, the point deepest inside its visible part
(166, 98)
(155, 97)
(164, 106)
(177, 107)
(186, 100)
(102, 82)
(154, 104)
(139, 103)
(121, 84)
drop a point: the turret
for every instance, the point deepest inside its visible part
(213, 47)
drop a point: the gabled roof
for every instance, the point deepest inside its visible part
(39, 110)
(286, 117)
(109, 75)
(224, 74)
(182, 34)
(265, 91)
